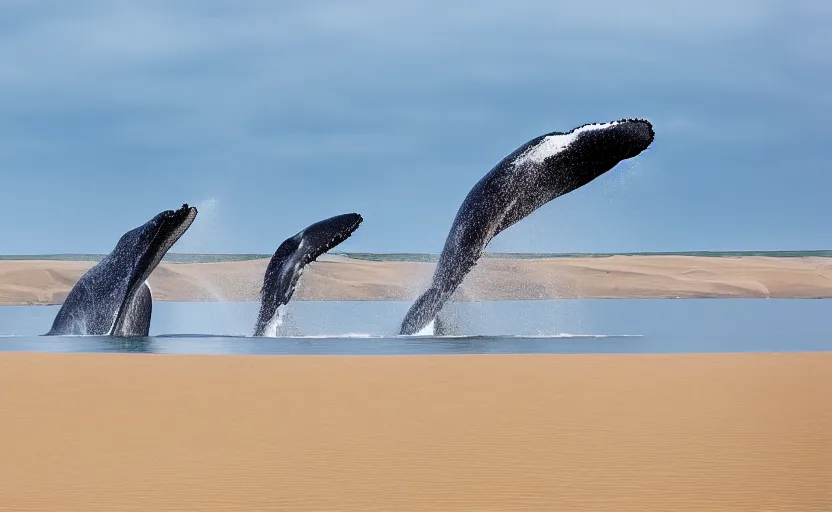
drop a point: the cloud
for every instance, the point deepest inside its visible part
(158, 52)
(222, 71)
(257, 100)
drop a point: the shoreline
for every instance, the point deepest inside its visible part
(334, 277)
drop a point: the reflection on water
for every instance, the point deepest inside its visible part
(514, 327)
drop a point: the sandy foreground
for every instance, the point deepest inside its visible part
(718, 432)
(340, 278)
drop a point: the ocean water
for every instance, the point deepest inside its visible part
(494, 327)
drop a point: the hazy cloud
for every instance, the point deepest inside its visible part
(252, 100)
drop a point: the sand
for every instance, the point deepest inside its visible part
(716, 432)
(340, 278)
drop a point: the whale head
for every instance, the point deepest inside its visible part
(574, 158)
(139, 251)
(326, 234)
(614, 141)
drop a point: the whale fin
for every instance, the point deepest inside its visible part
(288, 262)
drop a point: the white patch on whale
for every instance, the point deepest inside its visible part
(553, 144)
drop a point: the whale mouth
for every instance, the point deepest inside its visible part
(169, 227)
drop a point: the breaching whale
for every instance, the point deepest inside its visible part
(113, 298)
(287, 263)
(540, 170)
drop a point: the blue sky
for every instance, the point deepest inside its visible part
(272, 115)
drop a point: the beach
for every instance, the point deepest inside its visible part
(132, 432)
(341, 278)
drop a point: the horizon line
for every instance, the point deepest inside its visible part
(485, 253)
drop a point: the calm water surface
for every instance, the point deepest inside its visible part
(555, 326)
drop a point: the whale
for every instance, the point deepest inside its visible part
(113, 297)
(288, 262)
(542, 169)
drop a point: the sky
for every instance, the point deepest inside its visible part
(270, 115)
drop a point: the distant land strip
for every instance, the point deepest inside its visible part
(429, 257)
(235, 277)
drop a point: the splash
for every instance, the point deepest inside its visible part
(275, 323)
(427, 330)
(614, 188)
(203, 233)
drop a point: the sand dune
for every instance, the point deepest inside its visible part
(710, 433)
(340, 278)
